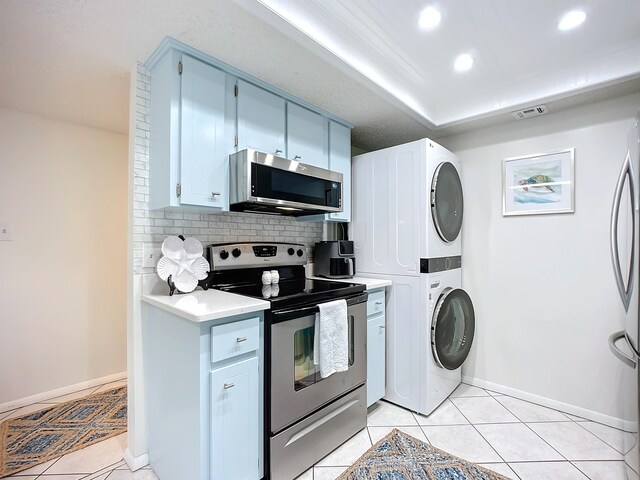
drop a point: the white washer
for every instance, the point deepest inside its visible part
(451, 318)
(445, 203)
(400, 236)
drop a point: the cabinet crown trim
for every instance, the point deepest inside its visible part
(169, 43)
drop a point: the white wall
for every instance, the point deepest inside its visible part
(543, 286)
(63, 192)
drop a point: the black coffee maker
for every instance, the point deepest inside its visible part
(335, 259)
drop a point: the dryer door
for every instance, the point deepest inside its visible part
(447, 201)
(452, 328)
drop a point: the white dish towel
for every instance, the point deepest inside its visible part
(331, 339)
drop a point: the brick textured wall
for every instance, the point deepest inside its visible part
(153, 226)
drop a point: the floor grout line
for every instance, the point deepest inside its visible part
(602, 439)
(479, 433)
(531, 429)
(108, 470)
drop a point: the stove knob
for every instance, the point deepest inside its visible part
(300, 252)
(291, 251)
(236, 252)
(224, 254)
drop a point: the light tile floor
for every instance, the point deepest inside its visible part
(521, 440)
(518, 439)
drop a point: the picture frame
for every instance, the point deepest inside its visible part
(538, 184)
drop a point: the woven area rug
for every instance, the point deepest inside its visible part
(399, 456)
(60, 429)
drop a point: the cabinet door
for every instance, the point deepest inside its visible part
(375, 358)
(307, 136)
(204, 149)
(260, 119)
(340, 161)
(234, 421)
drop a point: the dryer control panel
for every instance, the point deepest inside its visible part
(440, 264)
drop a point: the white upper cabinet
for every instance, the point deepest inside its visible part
(204, 152)
(307, 136)
(192, 113)
(261, 119)
(340, 161)
(203, 110)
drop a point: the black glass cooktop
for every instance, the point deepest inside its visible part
(296, 291)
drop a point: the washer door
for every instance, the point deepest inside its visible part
(446, 201)
(452, 328)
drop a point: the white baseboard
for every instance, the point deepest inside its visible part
(551, 403)
(135, 463)
(22, 402)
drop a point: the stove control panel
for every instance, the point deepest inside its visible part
(229, 256)
(265, 250)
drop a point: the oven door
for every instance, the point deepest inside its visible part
(296, 386)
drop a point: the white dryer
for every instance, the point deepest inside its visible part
(445, 203)
(406, 226)
(451, 319)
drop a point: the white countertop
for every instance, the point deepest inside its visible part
(371, 283)
(202, 306)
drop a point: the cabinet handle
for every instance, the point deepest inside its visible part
(382, 327)
(241, 339)
(378, 304)
(297, 157)
(215, 194)
(278, 151)
(229, 385)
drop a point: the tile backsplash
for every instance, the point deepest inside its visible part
(153, 226)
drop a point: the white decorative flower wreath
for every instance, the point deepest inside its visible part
(183, 261)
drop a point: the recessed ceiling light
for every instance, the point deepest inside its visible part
(463, 63)
(571, 19)
(429, 18)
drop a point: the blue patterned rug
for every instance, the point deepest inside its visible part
(60, 429)
(399, 456)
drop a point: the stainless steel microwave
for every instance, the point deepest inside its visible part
(264, 183)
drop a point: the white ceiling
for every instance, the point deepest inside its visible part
(71, 59)
(521, 57)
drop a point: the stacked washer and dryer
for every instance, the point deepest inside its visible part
(406, 226)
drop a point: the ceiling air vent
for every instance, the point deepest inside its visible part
(530, 112)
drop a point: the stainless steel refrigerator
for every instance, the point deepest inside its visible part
(624, 254)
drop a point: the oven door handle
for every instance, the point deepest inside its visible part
(282, 315)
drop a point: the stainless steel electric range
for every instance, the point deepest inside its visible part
(306, 416)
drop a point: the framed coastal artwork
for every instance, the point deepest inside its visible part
(538, 184)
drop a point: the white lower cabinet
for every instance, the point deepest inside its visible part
(376, 335)
(234, 421)
(204, 396)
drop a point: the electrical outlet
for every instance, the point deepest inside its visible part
(150, 255)
(5, 233)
